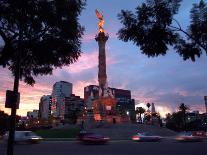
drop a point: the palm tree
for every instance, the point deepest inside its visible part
(148, 105)
(183, 108)
(140, 111)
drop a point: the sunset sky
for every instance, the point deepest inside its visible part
(166, 80)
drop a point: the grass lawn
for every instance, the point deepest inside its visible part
(58, 133)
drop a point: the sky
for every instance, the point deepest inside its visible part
(165, 80)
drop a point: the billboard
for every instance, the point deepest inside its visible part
(12, 98)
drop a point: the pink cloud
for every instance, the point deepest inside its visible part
(30, 96)
(87, 61)
(88, 38)
(78, 86)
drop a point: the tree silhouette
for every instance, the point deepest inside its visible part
(175, 121)
(183, 108)
(46, 32)
(148, 105)
(154, 29)
(38, 36)
(140, 111)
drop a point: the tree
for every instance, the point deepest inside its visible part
(175, 121)
(38, 37)
(183, 108)
(154, 29)
(148, 118)
(4, 125)
(168, 117)
(148, 105)
(49, 31)
(140, 111)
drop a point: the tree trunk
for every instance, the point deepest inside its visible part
(10, 146)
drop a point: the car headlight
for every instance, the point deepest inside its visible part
(106, 138)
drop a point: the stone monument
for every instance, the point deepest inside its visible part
(104, 108)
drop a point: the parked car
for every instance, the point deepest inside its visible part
(92, 138)
(24, 137)
(188, 137)
(146, 137)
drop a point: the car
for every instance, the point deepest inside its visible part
(24, 137)
(146, 137)
(92, 138)
(188, 137)
(81, 134)
(200, 133)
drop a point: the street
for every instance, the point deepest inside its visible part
(166, 147)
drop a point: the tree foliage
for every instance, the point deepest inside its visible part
(177, 121)
(154, 29)
(47, 33)
(140, 111)
(183, 108)
(4, 122)
(148, 105)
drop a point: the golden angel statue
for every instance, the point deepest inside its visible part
(101, 21)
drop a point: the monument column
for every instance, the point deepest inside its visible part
(104, 106)
(101, 38)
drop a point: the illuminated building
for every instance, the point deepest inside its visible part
(45, 106)
(123, 98)
(60, 90)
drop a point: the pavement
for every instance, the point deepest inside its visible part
(116, 147)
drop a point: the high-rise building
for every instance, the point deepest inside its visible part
(205, 99)
(60, 90)
(124, 100)
(123, 97)
(45, 106)
(74, 106)
(153, 108)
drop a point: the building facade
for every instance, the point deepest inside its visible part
(60, 91)
(45, 106)
(33, 114)
(74, 107)
(124, 102)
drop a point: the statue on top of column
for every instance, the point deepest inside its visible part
(101, 21)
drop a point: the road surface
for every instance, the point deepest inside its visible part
(125, 147)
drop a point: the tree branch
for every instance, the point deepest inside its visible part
(190, 36)
(177, 23)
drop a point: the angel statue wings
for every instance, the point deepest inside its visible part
(101, 21)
